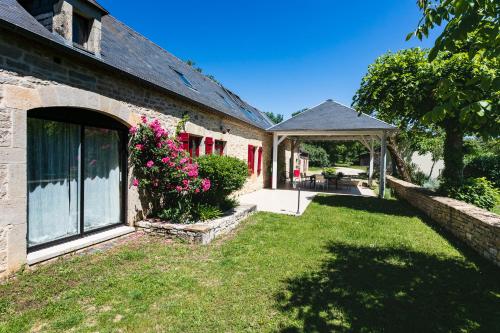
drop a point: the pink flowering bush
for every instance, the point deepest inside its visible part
(164, 172)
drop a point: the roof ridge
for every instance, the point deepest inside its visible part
(362, 113)
(298, 114)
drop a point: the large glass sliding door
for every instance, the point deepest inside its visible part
(102, 184)
(75, 180)
(53, 181)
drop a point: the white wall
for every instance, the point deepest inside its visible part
(424, 163)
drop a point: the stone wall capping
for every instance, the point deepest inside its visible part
(201, 232)
(476, 227)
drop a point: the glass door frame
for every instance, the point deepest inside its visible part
(85, 118)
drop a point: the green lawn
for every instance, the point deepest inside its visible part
(348, 265)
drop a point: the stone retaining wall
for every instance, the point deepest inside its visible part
(477, 227)
(199, 233)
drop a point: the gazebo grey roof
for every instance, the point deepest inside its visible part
(331, 117)
(333, 121)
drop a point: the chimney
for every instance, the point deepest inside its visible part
(77, 21)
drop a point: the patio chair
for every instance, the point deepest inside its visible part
(312, 181)
(322, 182)
(303, 179)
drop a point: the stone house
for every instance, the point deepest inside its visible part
(73, 79)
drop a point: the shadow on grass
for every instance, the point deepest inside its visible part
(368, 204)
(366, 289)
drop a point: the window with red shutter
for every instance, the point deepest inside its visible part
(184, 139)
(209, 146)
(251, 154)
(259, 162)
(219, 147)
(194, 146)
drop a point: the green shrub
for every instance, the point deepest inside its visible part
(206, 212)
(477, 191)
(419, 178)
(318, 157)
(228, 203)
(330, 172)
(487, 166)
(432, 184)
(227, 175)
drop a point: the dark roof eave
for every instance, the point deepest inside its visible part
(98, 6)
(392, 129)
(86, 57)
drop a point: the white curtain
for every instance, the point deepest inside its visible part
(102, 185)
(53, 174)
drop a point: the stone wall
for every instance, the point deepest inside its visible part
(198, 233)
(476, 227)
(34, 76)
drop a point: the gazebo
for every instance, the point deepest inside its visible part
(332, 121)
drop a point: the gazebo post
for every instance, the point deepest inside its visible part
(274, 184)
(383, 164)
(372, 156)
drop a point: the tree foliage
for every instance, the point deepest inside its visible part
(274, 117)
(318, 157)
(191, 63)
(423, 97)
(299, 112)
(472, 22)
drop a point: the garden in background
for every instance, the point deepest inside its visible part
(348, 264)
(445, 102)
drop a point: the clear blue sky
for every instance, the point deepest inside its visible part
(278, 55)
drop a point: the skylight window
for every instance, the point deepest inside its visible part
(184, 79)
(225, 100)
(249, 114)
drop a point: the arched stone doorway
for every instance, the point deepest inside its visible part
(76, 173)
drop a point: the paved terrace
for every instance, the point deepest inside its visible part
(285, 201)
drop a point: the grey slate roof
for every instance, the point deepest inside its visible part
(331, 116)
(128, 51)
(96, 4)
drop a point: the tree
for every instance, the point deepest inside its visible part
(274, 117)
(317, 155)
(191, 63)
(421, 97)
(299, 112)
(467, 20)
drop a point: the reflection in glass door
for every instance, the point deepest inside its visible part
(102, 184)
(53, 180)
(75, 180)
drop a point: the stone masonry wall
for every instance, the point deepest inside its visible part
(476, 227)
(34, 76)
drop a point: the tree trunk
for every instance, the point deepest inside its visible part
(453, 155)
(400, 163)
(432, 168)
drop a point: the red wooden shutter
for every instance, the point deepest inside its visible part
(251, 159)
(209, 145)
(184, 139)
(259, 161)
